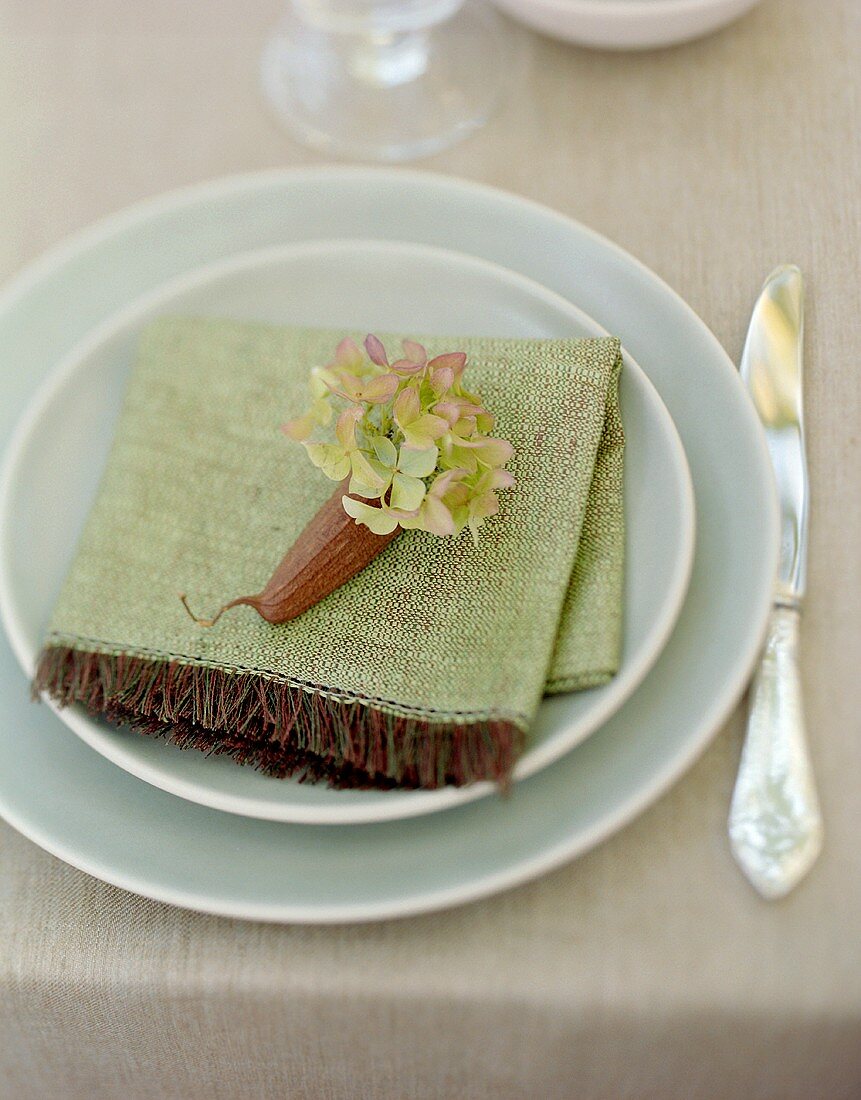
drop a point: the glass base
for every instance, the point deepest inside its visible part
(392, 95)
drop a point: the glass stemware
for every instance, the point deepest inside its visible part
(386, 79)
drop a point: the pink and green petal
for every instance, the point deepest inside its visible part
(442, 380)
(494, 452)
(407, 407)
(385, 450)
(376, 351)
(483, 506)
(407, 492)
(321, 381)
(436, 518)
(377, 520)
(415, 352)
(345, 429)
(454, 359)
(329, 458)
(377, 391)
(368, 472)
(448, 410)
(465, 427)
(348, 355)
(495, 479)
(407, 367)
(425, 429)
(299, 429)
(417, 461)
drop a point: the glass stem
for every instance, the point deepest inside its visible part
(386, 59)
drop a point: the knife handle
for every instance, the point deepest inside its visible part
(775, 825)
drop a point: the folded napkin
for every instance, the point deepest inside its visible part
(426, 668)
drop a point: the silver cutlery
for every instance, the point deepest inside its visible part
(775, 825)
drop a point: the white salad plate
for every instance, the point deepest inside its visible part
(626, 24)
(77, 804)
(57, 455)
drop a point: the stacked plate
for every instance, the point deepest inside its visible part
(399, 251)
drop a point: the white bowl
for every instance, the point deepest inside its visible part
(626, 24)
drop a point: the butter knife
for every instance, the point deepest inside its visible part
(775, 825)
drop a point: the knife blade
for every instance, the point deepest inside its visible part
(771, 368)
(775, 824)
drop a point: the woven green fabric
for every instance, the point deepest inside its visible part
(203, 494)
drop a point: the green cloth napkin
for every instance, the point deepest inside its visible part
(427, 668)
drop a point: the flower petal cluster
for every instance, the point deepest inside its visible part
(415, 444)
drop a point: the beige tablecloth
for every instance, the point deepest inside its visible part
(648, 968)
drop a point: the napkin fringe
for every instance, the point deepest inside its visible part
(280, 728)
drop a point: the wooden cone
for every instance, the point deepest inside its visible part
(330, 550)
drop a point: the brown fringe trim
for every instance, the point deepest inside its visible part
(278, 728)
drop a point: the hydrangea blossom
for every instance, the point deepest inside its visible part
(414, 443)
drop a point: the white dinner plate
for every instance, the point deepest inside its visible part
(78, 805)
(57, 455)
(626, 24)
